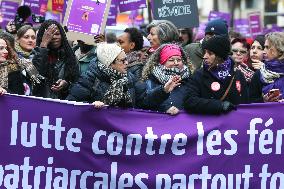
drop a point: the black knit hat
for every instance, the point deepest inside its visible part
(217, 27)
(219, 45)
(260, 39)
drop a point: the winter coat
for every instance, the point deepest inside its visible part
(150, 91)
(204, 97)
(255, 88)
(151, 95)
(93, 84)
(53, 69)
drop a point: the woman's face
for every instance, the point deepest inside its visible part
(153, 38)
(256, 52)
(56, 41)
(270, 52)
(240, 53)
(125, 43)
(209, 57)
(3, 51)
(174, 62)
(28, 41)
(120, 63)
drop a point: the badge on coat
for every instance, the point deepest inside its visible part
(238, 86)
(215, 86)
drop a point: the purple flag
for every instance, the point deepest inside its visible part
(242, 26)
(129, 5)
(8, 11)
(220, 15)
(255, 24)
(113, 11)
(46, 144)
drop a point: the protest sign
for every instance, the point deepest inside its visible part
(38, 7)
(8, 10)
(78, 146)
(255, 23)
(129, 5)
(220, 15)
(85, 19)
(242, 26)
(113, 11)
(183, 13)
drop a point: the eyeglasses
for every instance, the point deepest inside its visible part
(175, 60)
(123, 61)
(239, 50)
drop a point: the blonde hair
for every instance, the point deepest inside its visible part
(276, 39)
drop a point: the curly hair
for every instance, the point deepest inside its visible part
(136, 37)
(70, 58)
(12, 55)
(276, 40)
(166, 30)
(155, 60)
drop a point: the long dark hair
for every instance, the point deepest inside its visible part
(70, 59)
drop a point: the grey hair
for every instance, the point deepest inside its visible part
(277, 40)
(166, 30)
(155, 60)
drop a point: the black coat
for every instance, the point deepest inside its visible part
(15, 83)
(255, 88)
(203, 99)
(151, 95)
(93, 84)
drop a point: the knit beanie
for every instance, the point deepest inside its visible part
(260, 39)
(107, 52)
(219, 45)
(217, 27)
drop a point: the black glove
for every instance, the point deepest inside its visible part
(228, 106)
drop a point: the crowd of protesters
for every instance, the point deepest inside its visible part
(166, 71)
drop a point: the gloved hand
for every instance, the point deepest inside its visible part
(228, 106)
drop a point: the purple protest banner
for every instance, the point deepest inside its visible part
(8, 11)
(255, 24)
(46, 144)
(274, 28)
(242, 26)
(87, 18)
(213, 15)
(113, 11)
(129, 5)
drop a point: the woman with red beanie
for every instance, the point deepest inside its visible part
(164, 77)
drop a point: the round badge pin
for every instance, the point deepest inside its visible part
(215, 86)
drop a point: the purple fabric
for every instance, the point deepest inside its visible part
(222, 71)
(278, 67)
(220, 145)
